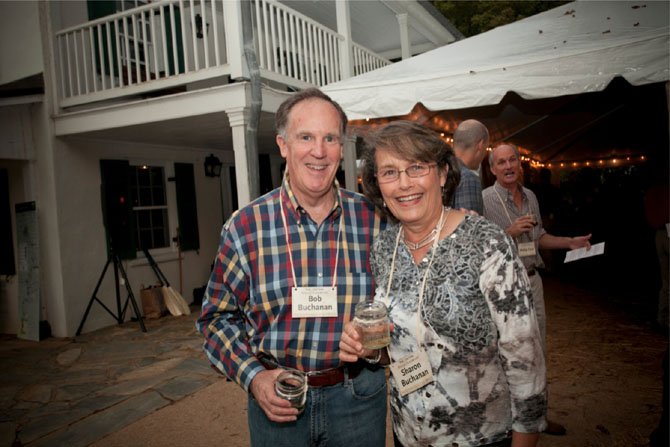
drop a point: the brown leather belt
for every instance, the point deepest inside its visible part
(318, 379)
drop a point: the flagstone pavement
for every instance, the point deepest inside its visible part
(119, 386)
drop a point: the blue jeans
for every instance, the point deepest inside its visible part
(350, 414)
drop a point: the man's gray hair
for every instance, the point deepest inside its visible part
(516, 151)
(282, 115)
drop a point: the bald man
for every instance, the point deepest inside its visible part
(470, 141)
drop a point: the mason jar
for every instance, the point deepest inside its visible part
(292, 386)
(371, 317)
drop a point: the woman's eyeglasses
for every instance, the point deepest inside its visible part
(388, 175)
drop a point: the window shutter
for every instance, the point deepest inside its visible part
(97, 9)
(187, 210)
(7, 266)
(117, 209)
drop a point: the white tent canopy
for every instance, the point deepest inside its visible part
(575, 48)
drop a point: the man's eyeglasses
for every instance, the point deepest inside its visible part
(388, 175)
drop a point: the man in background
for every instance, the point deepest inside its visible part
(517, 211)
(470, 141)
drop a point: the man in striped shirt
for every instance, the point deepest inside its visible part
(516, 210)
(290, 269)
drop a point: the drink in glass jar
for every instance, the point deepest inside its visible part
(292, 386)
(371, 317)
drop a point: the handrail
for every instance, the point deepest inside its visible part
(156, 45)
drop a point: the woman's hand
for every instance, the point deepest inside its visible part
(351, 346)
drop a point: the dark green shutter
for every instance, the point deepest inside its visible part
(187, 210)
(97, 9)
(117, 208)
(103, 8)
(178, 40)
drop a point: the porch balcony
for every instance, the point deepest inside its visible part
(170, 45)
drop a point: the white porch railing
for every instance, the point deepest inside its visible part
(170, 43)
(294, 46)
(365, 60)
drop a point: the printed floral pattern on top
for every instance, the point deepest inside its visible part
(479, 331)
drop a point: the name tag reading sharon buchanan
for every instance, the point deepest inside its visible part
(314, 302)
(412, 372)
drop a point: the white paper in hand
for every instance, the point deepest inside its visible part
(580, 253)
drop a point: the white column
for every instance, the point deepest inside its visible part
(238, 118)
(349, 164)
(404, 36)
(344, 28)
(232, 18)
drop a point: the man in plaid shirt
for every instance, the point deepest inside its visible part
(290, 269)
(470, 141)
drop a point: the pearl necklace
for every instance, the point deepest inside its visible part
(413, 246)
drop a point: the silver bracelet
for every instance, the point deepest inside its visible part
(375, 360)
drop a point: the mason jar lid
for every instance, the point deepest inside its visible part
(370, 310)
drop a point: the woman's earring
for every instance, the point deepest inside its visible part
(384, 203)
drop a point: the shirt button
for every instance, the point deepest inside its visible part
(320, 275)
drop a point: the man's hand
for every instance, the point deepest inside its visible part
(522, 225)
(263, 389)
(579, 242)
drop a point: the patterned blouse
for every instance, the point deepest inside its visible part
(479, 331)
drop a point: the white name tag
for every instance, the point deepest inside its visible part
(526, 249)
(412, 372)
(313, 302)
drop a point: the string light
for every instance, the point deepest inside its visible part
(526, 155)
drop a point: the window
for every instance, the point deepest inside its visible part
(149, 202)
(141, 208)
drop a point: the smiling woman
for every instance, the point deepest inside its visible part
(466, 359)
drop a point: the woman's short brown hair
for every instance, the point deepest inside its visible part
(409, 141)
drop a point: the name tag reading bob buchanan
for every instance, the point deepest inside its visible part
(412, 372)
(314, 302)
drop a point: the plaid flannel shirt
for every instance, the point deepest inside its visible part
(247, 305)
(468, 193)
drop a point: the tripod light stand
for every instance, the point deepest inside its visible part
(120, 314)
